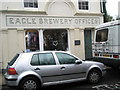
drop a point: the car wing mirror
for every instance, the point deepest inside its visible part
(78, 62)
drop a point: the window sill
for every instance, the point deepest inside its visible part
(31, 9)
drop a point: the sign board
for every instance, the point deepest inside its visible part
(50, 21)
(77, 42)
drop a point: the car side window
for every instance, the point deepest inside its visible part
(43, 59)
(66, 58)
(46, 59)
(35, 60)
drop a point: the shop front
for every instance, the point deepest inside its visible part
(47, 39)
(28, 33)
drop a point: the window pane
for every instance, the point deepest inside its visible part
(13, 60)
(31, 3)
(46, 59)
(35, 60)
(32, 40)
(102, 35)
(87, 8)
(65, 58)
(86, 3)
(55, 40)
(80, 5)
(26, 4)
(83, 5)
(35, 5)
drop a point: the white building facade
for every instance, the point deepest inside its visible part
(41, 25)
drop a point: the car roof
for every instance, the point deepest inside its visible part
(117, 22)
(44, 52)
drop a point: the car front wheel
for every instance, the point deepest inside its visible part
(94, 76)
(29, 83)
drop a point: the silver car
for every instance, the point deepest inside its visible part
(30, 71)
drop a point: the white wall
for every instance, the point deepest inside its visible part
(95, 6)
(61, 8)
(19, 5)
(13, 39)
(12, 43)
(119, 9)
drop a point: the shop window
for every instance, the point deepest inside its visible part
(83, 5)
(30, 3)
(55, 40)
(32, 40)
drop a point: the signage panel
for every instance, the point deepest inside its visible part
(52, 21)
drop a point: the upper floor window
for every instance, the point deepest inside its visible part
(83, 5)
(31, 3)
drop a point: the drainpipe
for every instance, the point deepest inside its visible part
(101, 6)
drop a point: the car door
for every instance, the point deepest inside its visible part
(70, 69)
(45, 65)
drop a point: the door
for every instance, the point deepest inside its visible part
(45, 65)
(88, 44)
(69, 69)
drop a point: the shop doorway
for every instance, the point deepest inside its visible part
(88, 44)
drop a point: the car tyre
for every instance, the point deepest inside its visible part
(29, 83)
(94, 76)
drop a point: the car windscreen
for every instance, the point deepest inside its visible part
(13, 59)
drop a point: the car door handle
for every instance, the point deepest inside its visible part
(37, 69)
(63, 68)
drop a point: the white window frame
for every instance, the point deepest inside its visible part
(41, 40)
(32, 2)
(84, 7)
(27, 36)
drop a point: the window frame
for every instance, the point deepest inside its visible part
(52, 42)
(13, 60)
(39, 61)
(47, 59)
(34, 4)
(32, 59)
(29, 47)
(84, 7)
(106, 30)
(65, 58)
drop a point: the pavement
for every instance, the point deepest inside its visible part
(2, 80)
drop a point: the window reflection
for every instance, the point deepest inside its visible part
(65, 58)
(55, 40)
(31, 3)
(32, 40)
(102, 35)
